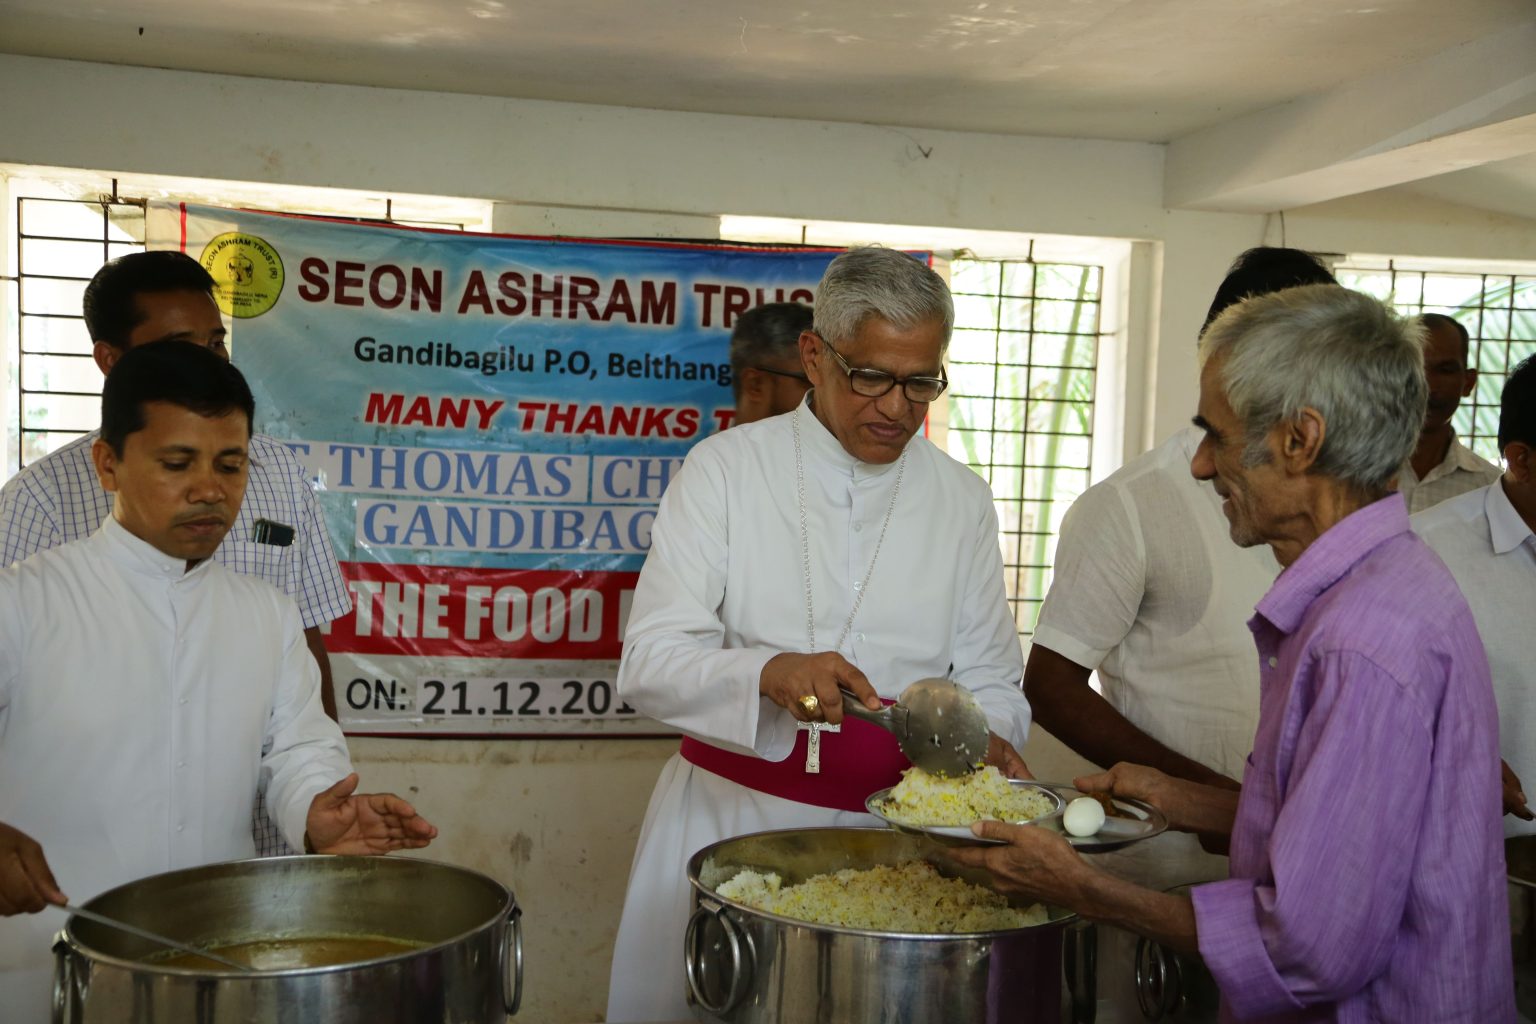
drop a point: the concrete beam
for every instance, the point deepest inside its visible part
(549, 154)
(1466, 106)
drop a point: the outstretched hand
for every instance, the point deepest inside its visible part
(341, 821)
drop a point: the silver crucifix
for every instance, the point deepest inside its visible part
(813, 744)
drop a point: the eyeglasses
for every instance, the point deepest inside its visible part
(793, 375)
(875, 383)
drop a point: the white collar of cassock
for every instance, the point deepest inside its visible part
(822, 449)
(139, 556)
(1507, 530)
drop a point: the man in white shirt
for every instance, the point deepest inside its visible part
(146, 691)
(766, 374)
(1149, 591)
(827, 547)
(1485, 537)
(158, 296)
(1441, 466)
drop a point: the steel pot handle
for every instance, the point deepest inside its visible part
(512, 961)
(1157, 980)
(63, 982)
(741, 967)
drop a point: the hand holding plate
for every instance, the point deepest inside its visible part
(1035, 863)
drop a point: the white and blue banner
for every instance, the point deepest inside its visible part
(489, 422)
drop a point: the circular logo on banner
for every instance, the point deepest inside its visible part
(247, 273)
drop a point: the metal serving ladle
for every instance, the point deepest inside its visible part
(938, 724)
(112, 922)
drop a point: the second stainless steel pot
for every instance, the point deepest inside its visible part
(750, 967)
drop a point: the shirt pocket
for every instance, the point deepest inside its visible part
(263, 561)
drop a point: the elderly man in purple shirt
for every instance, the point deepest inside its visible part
(1367, 867)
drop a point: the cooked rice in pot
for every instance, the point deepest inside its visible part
(910, 897)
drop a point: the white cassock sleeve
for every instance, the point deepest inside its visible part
(988, 657)
(675, 668)
(308, 753)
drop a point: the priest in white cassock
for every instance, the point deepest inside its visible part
(827, 546)
(147, 692)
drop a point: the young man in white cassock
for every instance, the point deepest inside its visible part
(828, 547)
(146, 691)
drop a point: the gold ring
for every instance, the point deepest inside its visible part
(810, 703)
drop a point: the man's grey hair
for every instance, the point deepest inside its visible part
(871, 281)
(1327, 348)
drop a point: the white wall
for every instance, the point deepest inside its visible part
(557, 819)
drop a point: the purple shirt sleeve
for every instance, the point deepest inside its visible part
(1322, 922)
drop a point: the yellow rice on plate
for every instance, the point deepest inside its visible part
(923, 799)
(909, 897)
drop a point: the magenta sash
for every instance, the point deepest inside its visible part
(855, 762)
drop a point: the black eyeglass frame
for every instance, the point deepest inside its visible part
(873, 378)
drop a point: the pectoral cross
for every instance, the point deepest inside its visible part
(813, 744)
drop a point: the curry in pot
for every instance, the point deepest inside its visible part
(299, 951)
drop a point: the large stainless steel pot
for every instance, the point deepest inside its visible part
(469, 971)
(747, 966)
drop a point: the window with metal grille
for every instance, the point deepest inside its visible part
(1023, 364)
(1498, 311)
(59, 245)
(67, 225)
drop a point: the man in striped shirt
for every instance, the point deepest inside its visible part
(164, 296)
(1441, 467)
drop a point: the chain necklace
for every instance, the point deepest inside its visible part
(805, 544)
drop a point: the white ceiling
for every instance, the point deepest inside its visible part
(1136, 70)
(1505, 186)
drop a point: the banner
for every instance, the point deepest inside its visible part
(489, 422)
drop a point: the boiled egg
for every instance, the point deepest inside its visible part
(1083, 817)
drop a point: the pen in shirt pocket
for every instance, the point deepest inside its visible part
(267, 532)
